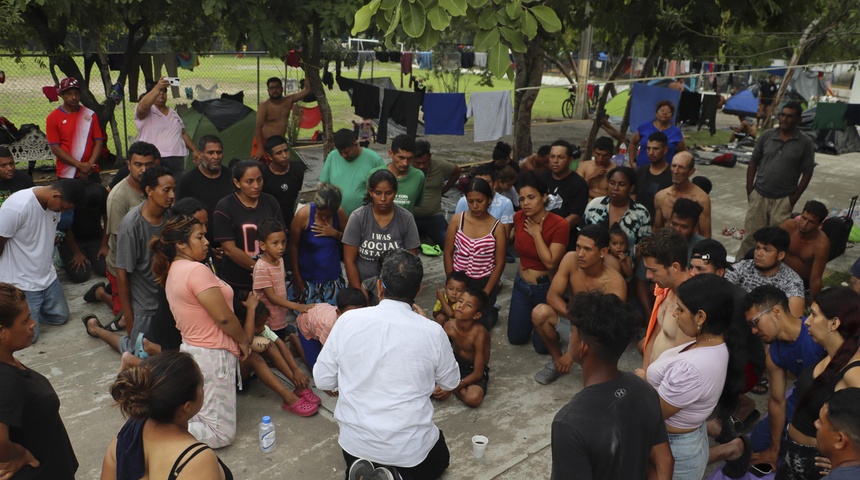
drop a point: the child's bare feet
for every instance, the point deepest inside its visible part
(128, 360)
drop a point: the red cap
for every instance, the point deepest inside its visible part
(68, 83)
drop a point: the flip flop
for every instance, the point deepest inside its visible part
(85, 319)
(431, 250)
(139, 352)
(90, 296)
(114, 326)
(760, 388)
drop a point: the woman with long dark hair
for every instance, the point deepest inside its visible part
(475, 245)
(696, 377)
(834, 324)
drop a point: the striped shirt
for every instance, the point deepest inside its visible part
(474, 256)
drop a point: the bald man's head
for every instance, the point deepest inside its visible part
(683, 168)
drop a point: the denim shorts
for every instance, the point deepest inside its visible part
(691, 453)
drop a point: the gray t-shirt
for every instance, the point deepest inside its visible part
(746, 275)
(372, 241)
(780, 164)
(134, 256)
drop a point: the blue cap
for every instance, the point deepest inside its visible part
(267, 419)
(855, 269)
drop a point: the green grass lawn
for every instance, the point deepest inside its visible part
(22, 101)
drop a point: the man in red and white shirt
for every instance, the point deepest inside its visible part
(74, 134)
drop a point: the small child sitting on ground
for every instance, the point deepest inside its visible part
(455, 285)
(471, 344)
(269, 280)
(301, 401)
(618, 258)
(315, 325)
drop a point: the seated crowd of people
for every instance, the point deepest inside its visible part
(216, 278)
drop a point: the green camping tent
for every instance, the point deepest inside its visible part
(229, 120)
(616, 106)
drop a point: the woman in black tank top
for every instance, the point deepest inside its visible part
(834, 324)
(159, 397)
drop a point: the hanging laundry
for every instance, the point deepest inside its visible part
(365, 97)
(364, 56)
(425, 60)
(405, 65)
(829, 116)
(203, 93)
(852, 114)
(492, 114)
(467, 59)
(293, 59)
(115, 61)
(444, 113)
(402, 108)
(381, 56)
(689, 107)
(187, 61)
(673, 68)
(394, 57)
(481, 59)
(709, 112)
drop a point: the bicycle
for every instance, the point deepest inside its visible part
(570, 101)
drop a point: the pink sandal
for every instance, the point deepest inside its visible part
(308, 395)
(302, 408)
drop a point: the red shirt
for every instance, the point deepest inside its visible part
(76, 134)
(555, 230)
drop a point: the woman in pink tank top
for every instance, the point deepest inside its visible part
(475, 244)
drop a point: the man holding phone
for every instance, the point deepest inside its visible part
(161, 126)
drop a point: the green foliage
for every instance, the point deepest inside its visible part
(499, 25)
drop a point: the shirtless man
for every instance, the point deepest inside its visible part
(274, 113)
(537, 162)
(809, 248)
(682, 169)
(665, 258)
(594, 171)
(580, 271)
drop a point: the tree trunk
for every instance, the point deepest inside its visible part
(312, 57)
(789, 73)
(529, 72)
(104, 70)
(601, 102)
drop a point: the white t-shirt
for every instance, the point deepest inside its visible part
(385, 361)
(28, 259)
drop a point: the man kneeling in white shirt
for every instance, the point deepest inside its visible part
(384, 410)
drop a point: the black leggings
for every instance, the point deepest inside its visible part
(799, 463)
(431, 468)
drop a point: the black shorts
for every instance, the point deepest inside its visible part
(466, 369)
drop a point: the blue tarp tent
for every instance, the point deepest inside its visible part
(742, 103)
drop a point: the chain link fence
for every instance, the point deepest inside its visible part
(24, 94)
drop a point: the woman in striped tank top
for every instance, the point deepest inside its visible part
(475, 244)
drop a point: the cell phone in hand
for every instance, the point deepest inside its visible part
(173, 81)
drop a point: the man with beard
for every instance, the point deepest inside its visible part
(209, 182)
(809, 248)
(581, 271)
(682, 169)
(655, 176)
(790, 351)
(273, 115)
(767, 268)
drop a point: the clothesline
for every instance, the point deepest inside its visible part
(696, 75)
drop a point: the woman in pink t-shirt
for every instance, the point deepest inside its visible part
(211, 333)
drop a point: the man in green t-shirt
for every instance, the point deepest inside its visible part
(348, 167)
(410, 180)
(439, 177)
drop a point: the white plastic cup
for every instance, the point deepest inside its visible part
(479, 445)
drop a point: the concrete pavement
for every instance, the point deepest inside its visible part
(516, 414)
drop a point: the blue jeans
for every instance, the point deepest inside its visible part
(434, 227)
(48, 306)
(691, 453)
(525, 297)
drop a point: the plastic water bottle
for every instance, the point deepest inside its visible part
(622, 149)
(267, 435)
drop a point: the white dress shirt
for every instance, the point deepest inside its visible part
(385, 361)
